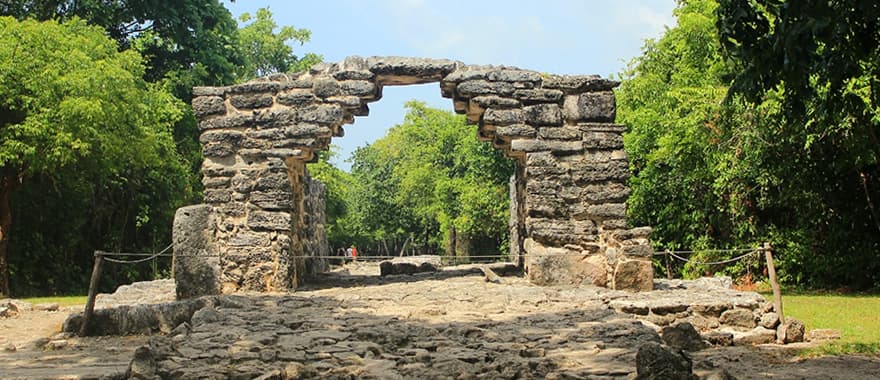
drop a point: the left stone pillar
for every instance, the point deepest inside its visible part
(253, 174)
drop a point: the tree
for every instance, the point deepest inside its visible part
(431, 182)
(70, 100)
(266, 51)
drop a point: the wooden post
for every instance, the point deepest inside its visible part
(668, 266)
(93, 292)
(771, 271)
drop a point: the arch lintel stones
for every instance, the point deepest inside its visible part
(568, 218)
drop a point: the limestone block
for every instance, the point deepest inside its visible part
(598, 106)
(738, 318)
(654, 361)
(272, 200)
(769, 320)
(612, 192)
(254, 86)
(208, 105)
(196, 272)
(594, 270)
(538, 95)
(325, 87)
(497, 102)
(682, 336)
(214, 196)
(404, 71)
(225, 122)
(758, 335)
(633, 275)
(275, 117)
(208, 91)
(296, 97)
(321, 114)
(528, 145)
(250, 101)
(576, 84)
(509, 132)
(599, 172)
(543, 114)
(215, 182)
(791, 331)
(608, 210)
(496, 117)
(559, 133)
(269, 220)
(603, 140)
(478, 87)
(359, 88)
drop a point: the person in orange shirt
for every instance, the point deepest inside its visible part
(354, 252)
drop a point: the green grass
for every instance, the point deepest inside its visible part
(62, 301)
(857, 317)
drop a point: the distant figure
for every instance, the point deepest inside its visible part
(349, 251)
(354, 252)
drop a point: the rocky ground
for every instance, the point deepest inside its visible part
(352, 323)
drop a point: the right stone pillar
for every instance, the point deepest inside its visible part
(568, 196)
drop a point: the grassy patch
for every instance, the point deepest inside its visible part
(62, 301)
(857, 317)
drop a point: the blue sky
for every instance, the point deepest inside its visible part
(552, 36)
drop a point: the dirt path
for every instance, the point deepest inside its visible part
(425, 326)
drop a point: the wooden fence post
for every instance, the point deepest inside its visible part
(771, 271)
(93, 292)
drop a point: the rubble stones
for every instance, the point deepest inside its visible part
(656, 362)
(790, 331)
(572, 165)
(682, 336)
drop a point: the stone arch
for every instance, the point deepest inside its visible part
(262, 214)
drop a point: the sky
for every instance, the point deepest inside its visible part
(551, 36)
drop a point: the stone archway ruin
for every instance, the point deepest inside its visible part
(263, 215)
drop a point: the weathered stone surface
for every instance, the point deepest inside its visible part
(197, 271)
(758, 335)
(656, 362)
(590, 107)
(254, 87)
(296, 97)
(208, 105)
(403, 71)
(816, 335)
(682, 336)
(515, 131)
(790, 331)
(719, 338)
(769, 320)
(576, 84)
(321, 114)
(633, 275)
(475, 88)
(409, 265)
(540, 95)
(269, 220)
(249, 101)
(738, 318)
(543, 114)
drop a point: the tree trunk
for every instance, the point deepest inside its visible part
(450, 244)
(5, 226)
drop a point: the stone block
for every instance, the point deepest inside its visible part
(250, 101)
(497, 102)
(576, 84)
(612, 192)
(404, 71)
(601, 172)
(683, 336)
(208, 91)
(473, 88)
(275, 117)
(272, 200)
(225, 122)
(539, 95)
(513, 131)
(321, 114)
(738, 318)
(633, 275)
(296, 97)
(227, 137)
(564, 147)
(503, 116)
(608, 210)
(590, 107)
(325, 87)
(254, 86)
(603, 140)
(359, 88)
(214, 196)
(208, 105)
(196, 269)
(790, 331)
(269, 220)
(543, 114)
(509, 75)
(559, 133)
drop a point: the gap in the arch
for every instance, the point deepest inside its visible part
(384, 114)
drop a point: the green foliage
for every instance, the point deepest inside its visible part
(267, 52)
(81, 130)
(714, 169)
(428, 177)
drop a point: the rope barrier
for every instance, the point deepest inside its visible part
(675, 254)
(148, 258)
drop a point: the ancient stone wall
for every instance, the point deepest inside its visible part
(569, 190)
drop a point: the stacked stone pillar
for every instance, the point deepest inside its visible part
(568, 218)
